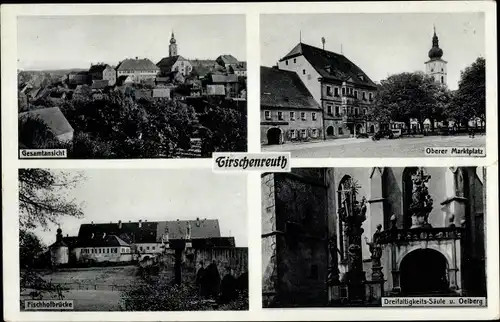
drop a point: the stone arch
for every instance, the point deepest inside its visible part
(372, 128)
(425, 270)
(274, 136)
(330, 131)
(419, 247)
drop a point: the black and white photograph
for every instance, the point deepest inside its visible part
(372, 85)
(133, 239)
(103, 86)
(335, 237)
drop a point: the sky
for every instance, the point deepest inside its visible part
(157, 195)
(380, 44)
(62, 42)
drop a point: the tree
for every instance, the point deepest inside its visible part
(406, 96)
(34, 133)
(224, 129)
(469, 101)
(43, 199)
(124, 128)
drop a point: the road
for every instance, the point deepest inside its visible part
(366, 148)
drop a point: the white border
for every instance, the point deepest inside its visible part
(252, 11)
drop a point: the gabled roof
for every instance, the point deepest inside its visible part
(166, 63)
(143, 64)
(281, 88)
(102, 241)
(227, 59)
(151, 232)
(99, 68)
(52, 117)
(331, 65)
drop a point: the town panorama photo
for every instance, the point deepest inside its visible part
(132, 86)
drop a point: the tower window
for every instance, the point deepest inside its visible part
(303, 71)
(442, 80)
(286, 62)
(294, 60)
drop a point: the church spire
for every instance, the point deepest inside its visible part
(435, 52)
(172, 48)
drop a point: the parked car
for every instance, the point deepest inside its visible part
(383, 134)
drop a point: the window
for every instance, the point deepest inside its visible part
(442, 80)
(280, 115)
(292, 116)
(303, 115)
(116, 250)
(442, 69)
(286, 62)
(303, 133)
(370, 95)
(364, 96)
(314, 116)
(293, 134)
(140, 248)
(329, 109)
(100, 250)
(356, 94)
(343, 91)
(303, 72)
(147, 247)
(350, 91)
(336, 91)
(356, 111)
(295, 60)
(107, 250)
(267, 115)
(153, 248)
(328, 91)
(314, 133)
(337, 110)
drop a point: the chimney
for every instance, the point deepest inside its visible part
(140, 223)
(119, 224)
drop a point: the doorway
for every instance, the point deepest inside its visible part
(424, 271)
(274, 136)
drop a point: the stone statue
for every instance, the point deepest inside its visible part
(375, 247)
(422, 202)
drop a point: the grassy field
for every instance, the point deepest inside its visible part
(91, 289)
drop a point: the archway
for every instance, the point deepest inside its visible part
(274, 136)
(424, 271)
(359, 129)
(372, 128)
(329, 131)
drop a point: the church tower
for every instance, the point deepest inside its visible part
(435, 66)
(172, 48)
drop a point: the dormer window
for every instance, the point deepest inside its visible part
(362, 77)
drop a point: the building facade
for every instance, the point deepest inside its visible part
(174, 63)
(342, 89)
(137, 70)
(331, 236)
(288, 111)
(135, 241)
(103, 72)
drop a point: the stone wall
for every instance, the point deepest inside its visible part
(301, 208)
(236, 258)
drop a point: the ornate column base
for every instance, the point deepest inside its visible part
(377, 274)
